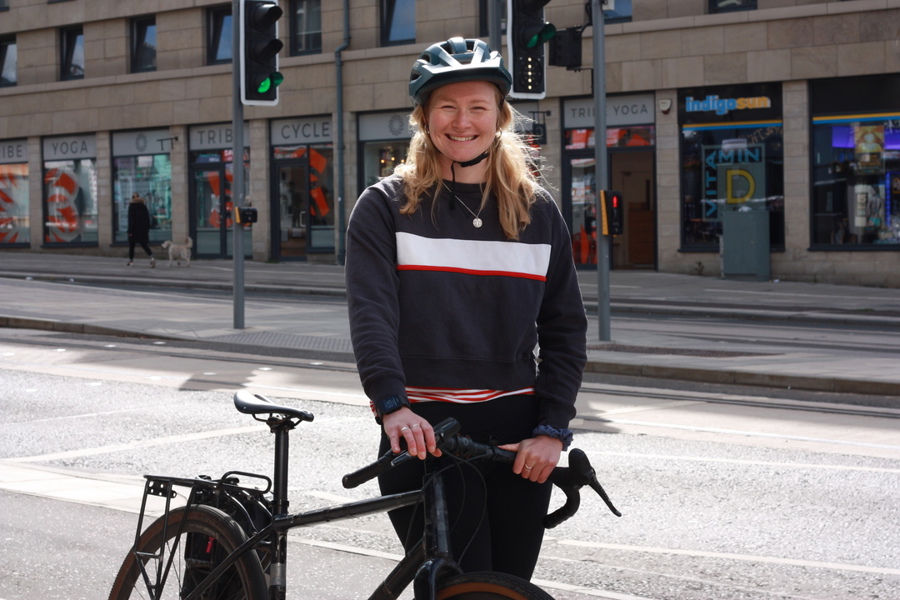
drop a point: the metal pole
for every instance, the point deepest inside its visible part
(601, 177)
(237, 164)
(494, 33)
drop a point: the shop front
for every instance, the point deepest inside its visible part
(141, 165)
(70, 191)
(856, 163)
(15, 222)
(383, 144)
(211, 202)
(631, 147)
(732, 160)
(302, 195)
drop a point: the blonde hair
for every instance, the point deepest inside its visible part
(511, 170)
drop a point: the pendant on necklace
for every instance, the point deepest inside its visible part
(476, 222)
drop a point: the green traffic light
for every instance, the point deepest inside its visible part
(541, 36)
(272, 81)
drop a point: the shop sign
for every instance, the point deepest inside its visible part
(723, 106)
(137, 143)
(634, 109)
(13, 151)
(71, 147)
(291, 132)
(215, 137)
(730, 103)
(384, 126)
(732, 175)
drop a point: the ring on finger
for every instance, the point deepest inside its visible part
(415, 425)
(404, 428)
(527, 467)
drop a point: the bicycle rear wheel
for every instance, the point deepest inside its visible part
(208, 536)
(487, 585)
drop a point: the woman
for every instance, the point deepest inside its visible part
(139, 229)
(458, 265)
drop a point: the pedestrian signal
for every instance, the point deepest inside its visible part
(613, 211)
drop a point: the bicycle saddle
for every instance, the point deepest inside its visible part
(255, 404)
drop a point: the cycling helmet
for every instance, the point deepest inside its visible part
(454, 61)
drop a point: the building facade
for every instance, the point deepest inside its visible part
(776, 117)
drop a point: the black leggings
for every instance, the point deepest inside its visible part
(496, 517)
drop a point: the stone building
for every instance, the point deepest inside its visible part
(731, 124)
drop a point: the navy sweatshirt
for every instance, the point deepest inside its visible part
(436, 302)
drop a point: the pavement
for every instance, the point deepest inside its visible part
(817, 337)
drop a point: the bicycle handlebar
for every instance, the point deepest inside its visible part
(569, 479)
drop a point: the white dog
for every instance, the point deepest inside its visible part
(179, 253)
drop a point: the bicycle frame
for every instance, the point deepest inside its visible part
(424, 566)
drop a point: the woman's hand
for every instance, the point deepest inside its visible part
(417, 432)
(536, 457)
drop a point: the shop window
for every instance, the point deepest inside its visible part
(730, 168)
(381, 158)
(151, 178)
(856, 181)
(14, 204)
(720, 6)
(72, 53)
(306, 27)
(143, 44)
(218, 46)
(70, 202)
(8, 61)
(398, 22)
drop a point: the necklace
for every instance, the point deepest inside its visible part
(476, 221)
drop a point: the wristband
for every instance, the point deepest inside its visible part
(563, 435)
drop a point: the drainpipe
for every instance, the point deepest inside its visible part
(341, 228)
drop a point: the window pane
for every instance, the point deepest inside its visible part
(398, 21)
(717, 6)
(144, 49)
(856, 182)
(8, 62)
(150, 177)
(220, 36)
(73, 53)
(70, 197)
(15, 207)
(617, 11)
(307, 26)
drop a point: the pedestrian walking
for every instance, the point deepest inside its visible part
(464, 303)
(139, 228)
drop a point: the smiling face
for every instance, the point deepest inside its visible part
(462, 123)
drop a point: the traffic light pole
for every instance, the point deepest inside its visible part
(601, 177)
(237, 165)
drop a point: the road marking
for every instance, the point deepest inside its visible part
(798, 438)
(173, 439)
(732, 556)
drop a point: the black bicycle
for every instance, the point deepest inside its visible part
(230, 540)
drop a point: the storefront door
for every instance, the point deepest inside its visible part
(214, 212)
(290, 210)
(631, 174)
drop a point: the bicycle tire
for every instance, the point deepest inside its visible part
(488, 585)
(218, 535)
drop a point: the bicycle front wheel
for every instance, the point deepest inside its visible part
(208, 535)
(488, 585)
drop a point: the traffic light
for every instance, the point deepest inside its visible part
(259, 52)
(613, 212)
(527, 32)
(565, 48)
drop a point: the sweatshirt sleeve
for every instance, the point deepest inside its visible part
(372, 293)
(562, 331)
